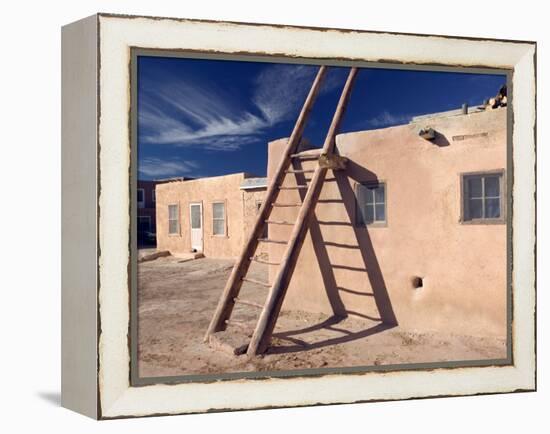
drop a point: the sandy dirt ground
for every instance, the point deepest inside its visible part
(177, 298)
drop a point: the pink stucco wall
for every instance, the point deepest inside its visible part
(239, 206)
(369, 271)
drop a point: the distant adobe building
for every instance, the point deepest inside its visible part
(146, 219)
(412, 231)
(209, 215)
(146, 209)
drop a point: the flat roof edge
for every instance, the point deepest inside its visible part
(252, 183)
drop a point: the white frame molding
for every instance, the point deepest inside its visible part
(224, 203)
(177, 205)
(117, 34)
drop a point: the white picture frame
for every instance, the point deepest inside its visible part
(96, 251)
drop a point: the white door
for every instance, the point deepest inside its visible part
(196, 226)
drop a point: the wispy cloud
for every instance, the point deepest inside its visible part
(280, 89)
(157, 167)
(387, 119)
(186, 112)
(182, 114)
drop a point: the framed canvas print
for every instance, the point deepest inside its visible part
(260, 216)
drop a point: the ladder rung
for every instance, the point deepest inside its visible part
(277, 222)
(300, 171)
(297, 187)
(246, 279)
(247, 302)
(268, 240)
(285, 204)
(305, 156)
(240, 324)
(259, 261)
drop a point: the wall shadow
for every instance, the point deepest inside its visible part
(52, 398)
(376, 279)
(301, 345)
(327, 273)
(364, 245)
(440, 140)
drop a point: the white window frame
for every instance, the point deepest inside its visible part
(178, 231)
(223, 202)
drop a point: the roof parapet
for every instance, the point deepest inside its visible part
(464, 110)
(252, 183)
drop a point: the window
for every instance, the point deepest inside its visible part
(144, 223)
(371, 203)
(218, 218)
(482, 197)
(141, 198)
(173, 220)
(154, 195)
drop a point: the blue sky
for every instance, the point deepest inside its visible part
(213, 117)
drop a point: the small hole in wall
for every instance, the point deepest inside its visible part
(417, 282)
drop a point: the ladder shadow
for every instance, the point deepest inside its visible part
(364, 245)
(327, 273)
(377, 282)
(299, 345)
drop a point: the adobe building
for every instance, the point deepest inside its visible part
(209, 215)
(146, 218)
(413, 231)
(146, 209)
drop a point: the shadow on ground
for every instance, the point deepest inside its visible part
(329, 324)
(52, 398)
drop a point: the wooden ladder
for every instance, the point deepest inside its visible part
(261, 336)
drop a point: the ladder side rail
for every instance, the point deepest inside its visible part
(268, 317)
(330, 140)
(233, 285)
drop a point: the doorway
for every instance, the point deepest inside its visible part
(195, 210)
